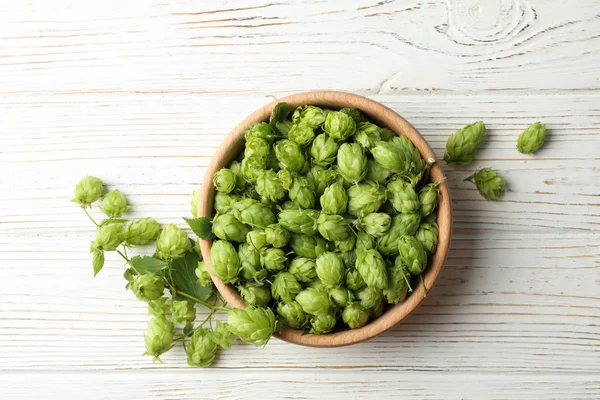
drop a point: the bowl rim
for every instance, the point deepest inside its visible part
(233, 145)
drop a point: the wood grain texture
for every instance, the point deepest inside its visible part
(143, 93)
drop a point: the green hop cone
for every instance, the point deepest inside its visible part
(339, 126)
(141, 231)
(402, 224)
(532, 138)
(301, 134)
(356, 115)
(183, 311)
(461, 146)
(224, 180)
(258, 296)
(489, 184)
(376, 173)
(289, 155)
(429, 197)
(387, 134)
(158, 307)
(364, 242)
(365, 198)
(285, 287)
(417, 164)
(148, 287)
(226, 227)
(194, 202)
(252, 167)
(302, 192)
(367, 134)
(376, 224)
(323, 323)
(352, 162)
(314, 301)
(257, 148)
(269, 186)
(253, 213)
(378, 310)
(158, 337)
(345, 245)
(277, 235)
(88, 190)
(273, 259)
(251, 269)
(252, 325)
(330, 269)
(317, 284)
(203, 275)
(403, 197)
(257, 239)
(109, 237)
(392, 157)
(308, 246)
(311, 116)
(369, 297)
(323, 150)
(303, 269)
(261, 130)
(340, 296)
(354, 280)
(398, 283)
(321, 178)
(334, 200)
(350, 258)
(412, 254)
(201, 349)
(222, 336)
(223, 202)
(427, 235)
(114, 204)
(333, 227)
(292, 315)
(172, 243)
(355, 315)
(286, 178)
(372, 268)
(224, 261)
(299, 221)
(240, 182)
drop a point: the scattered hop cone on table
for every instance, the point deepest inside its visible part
(109, 237)
(461, 146)
(114, 204)
(253, 324)
(183, 311)
(172, 243)
(148, 287)
(158, 337)
(489, 184)
(201, 349)
(142, 231)
(532, 138)
(88, 190)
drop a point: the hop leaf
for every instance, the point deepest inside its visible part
(97, 261)
(532, 138)
(88, 190)
(489, 184)
(253, 325)
(462, 145)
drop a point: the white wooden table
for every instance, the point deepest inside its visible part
(141, 93)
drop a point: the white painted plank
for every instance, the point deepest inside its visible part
(218, 46)
(231, 385)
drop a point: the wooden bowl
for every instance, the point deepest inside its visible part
(382, 115)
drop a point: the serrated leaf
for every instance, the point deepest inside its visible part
(202, 227)
(181, 274)
(109, 221)
(148, 265)
(280, 112)
(188, 328)
(97, 261)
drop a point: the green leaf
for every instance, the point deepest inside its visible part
(109, 221)
(188, 328)
(97, 261)
(280, 112)
(129, 274)
(182, 276)
(148, 265)
(202, 227)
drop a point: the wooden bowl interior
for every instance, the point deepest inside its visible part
(234, 144)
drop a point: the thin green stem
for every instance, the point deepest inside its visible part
(197, 300)
(89, 216)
